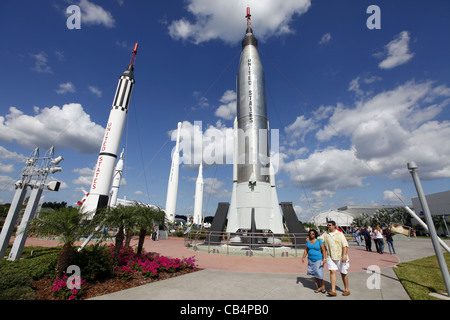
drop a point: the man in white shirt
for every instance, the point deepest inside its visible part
(337, 256)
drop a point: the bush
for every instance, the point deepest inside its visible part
(16, 285)
(94, 262)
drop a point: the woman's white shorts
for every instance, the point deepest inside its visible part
(338, 265)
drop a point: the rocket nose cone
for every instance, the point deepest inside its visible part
(249, 39)
(129, 72)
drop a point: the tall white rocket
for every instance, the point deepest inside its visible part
(254, 201)
(198, 203)
(172, 187)
(116, 181)
(98, 195)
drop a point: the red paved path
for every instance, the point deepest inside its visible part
(359, 258)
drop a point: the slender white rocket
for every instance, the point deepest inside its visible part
(116, 181)
(172, 186)
(198, 203)
(98, 195)
(253, 177)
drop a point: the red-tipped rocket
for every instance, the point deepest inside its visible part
(254, 201)
(101, 183)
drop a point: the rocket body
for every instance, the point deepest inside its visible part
(253, 179)
(101, 183)
(172, 186)
(198, 203)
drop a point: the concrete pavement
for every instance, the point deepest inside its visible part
(276, 278)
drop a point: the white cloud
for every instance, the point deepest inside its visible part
(41, 63)
(66, 127)
(227, 110)
(224, 19)
(95, 91)
(383, 133)
(393, 196)
(397, 52)
(11, 155)
(65, 88)
(300, 128)
(331, 170)
(92, 14)
(85, 176)
(325, 38)
(7, 168)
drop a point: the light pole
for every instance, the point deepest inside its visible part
(40, 173)
(412, 167)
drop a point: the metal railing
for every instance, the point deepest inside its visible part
(248, 241)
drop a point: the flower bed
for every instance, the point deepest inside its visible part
(131, 269)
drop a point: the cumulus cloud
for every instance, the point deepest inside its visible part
(84, 176)
(393, 196)
(93, 14)
(383, 132)
(397, 52)
(66, 127)
(224, 19)
(227, 110)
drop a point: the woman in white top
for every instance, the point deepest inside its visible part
(379, 239)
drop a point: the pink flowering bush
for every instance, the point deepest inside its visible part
(147, 264)
(61, 290)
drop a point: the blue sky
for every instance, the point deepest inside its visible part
(352, 105)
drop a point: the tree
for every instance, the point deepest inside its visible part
(363, 220)
(120, 217)
(67, 224)
(145, 218)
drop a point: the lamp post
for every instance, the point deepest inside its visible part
(412, 167)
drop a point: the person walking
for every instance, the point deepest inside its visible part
(367, 240)
(379, 239)
(337, 256)
(389, 240)
(373, 236)
(315, 250)
(357, 236)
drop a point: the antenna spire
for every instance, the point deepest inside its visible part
(249, 23)
(133, 55)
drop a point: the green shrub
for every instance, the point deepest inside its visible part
(16, 285)
(18, 293)
(11, 279)
(94, 262)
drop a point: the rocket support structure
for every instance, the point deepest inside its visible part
(253, 177)
(98, 196)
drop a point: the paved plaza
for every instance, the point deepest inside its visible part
(228, 277)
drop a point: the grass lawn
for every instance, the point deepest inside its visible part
(421, 277)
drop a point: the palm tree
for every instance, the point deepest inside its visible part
(67, 224)
(120, 217)
(146, 217)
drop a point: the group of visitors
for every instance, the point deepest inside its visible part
(331, 248)
(377, 235)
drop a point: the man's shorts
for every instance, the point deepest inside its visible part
(338, 265)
